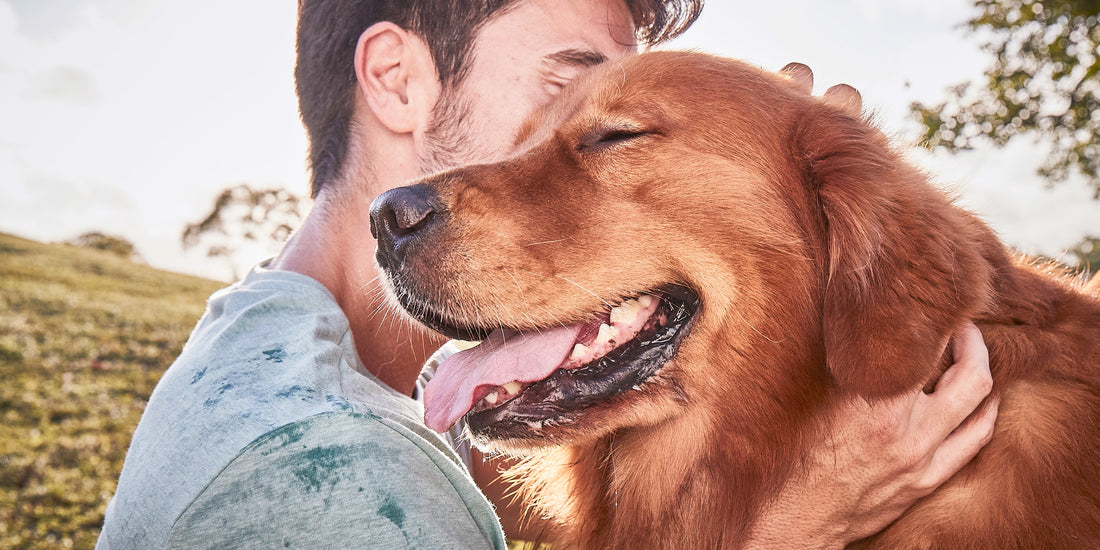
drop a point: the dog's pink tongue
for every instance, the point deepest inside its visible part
(501, 358)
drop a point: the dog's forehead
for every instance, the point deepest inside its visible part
(672, 77)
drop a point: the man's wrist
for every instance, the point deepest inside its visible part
(784, 526)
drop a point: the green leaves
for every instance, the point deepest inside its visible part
(1044, 82)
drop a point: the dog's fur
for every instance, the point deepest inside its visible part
(825, 265)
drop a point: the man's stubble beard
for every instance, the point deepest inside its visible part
(448, 140)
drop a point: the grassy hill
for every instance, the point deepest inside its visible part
(84, 337)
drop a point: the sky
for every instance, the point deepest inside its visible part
(130, 116)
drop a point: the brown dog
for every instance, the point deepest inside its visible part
(688, 262)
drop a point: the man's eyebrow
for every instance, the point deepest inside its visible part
(577, 57)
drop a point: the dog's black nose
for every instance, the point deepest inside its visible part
(398, 217)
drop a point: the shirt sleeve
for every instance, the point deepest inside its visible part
(338, 480)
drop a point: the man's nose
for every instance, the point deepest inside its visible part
(398, 218)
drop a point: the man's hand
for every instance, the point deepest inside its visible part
(879, 458)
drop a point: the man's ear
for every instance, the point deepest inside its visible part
(396, 77)
(906, 267)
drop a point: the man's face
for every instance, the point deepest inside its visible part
(520, 61)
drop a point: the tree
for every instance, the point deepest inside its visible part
(118, 246)
(1044, 81)
(243, 216)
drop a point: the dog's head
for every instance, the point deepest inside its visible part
(678, 228)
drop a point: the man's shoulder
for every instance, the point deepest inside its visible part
(249, 368)
(268, 302)
(269, 351)
(367, 479)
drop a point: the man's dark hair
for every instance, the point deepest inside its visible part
(328, 31)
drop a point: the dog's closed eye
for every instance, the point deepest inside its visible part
(602, 138)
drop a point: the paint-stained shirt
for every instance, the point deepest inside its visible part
(268, 432)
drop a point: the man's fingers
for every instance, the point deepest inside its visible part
(955, 415)
(968, 344)
(845, 98)
(961, 388)
(800, 75)
(961, 446)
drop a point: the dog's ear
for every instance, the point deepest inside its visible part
(905, 266)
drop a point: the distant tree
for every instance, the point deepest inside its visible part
(107, 243)
(1088, 255)
(1044, 81)
(244, 216)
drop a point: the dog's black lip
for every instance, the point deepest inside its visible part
(438, 322)
(563, 396)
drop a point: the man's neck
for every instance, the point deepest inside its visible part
(334, 247)
(388, 346)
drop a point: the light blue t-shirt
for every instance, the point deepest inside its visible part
(268, 432)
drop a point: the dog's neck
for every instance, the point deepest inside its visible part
(660, 496)
(665, 478)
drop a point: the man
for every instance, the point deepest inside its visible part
(287, 420)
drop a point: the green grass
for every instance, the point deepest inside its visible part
(84, 337)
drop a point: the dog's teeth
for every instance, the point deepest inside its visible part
(492, 398)
(606, 334)
(579, 350)
(619, 315)
(626, 312)
(512, 388)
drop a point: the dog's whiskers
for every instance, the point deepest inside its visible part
(531, 272)
(756, 330)
(586, 290)
(523, 298)
(550, 242)
(369, 283)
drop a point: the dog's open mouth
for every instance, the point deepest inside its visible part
(529, 379)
